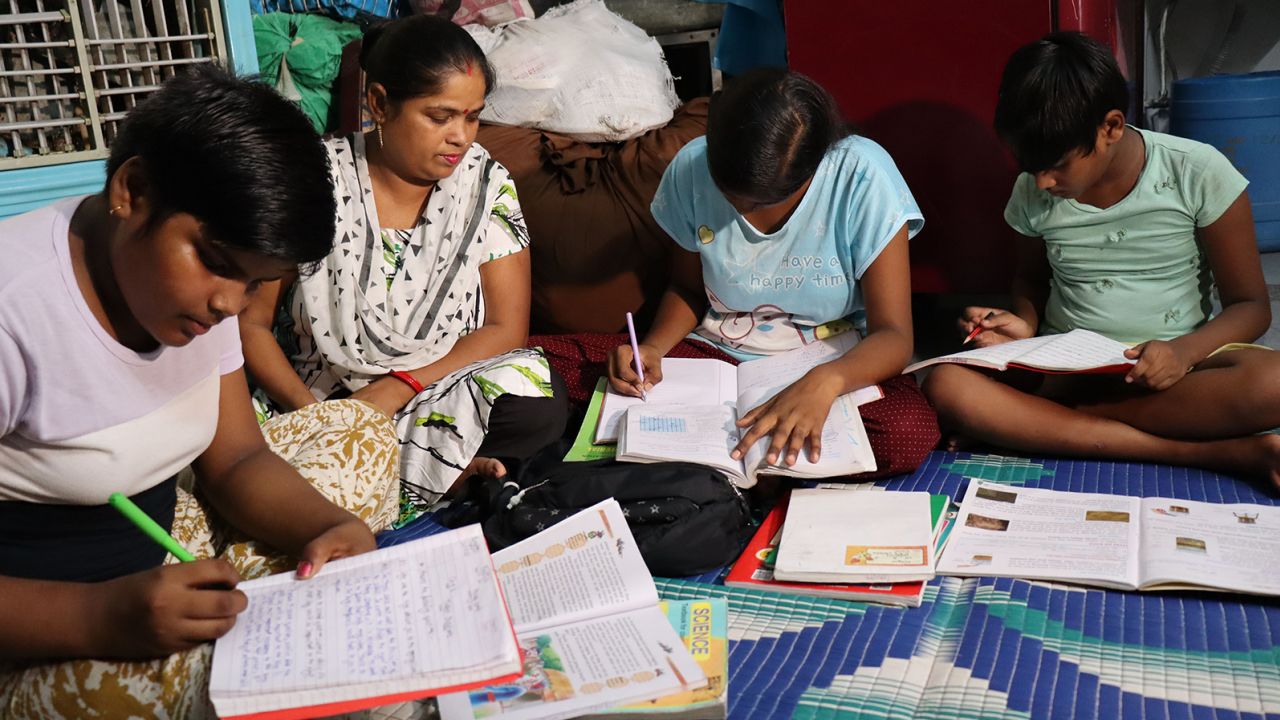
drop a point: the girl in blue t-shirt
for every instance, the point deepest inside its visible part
(790, 229)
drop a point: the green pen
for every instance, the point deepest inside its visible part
(148, 526)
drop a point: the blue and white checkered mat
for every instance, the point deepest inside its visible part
(987, 648)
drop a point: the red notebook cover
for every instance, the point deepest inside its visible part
(347, 706)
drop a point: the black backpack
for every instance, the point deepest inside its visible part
(686, 519)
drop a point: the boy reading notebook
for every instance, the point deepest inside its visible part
(1114, 541)
(590, 630)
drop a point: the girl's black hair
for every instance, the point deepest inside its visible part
(413, 56)
(1054, 95)
(767, 131)
(237, 156)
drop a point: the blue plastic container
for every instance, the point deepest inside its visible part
(1239, 115)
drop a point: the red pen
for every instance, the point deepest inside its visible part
(977, 329)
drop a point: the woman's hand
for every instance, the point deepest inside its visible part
(168, 609)
(793, 418)
(347, 538)
(997, 325)
(622, 372)
(386, 393)
(1160, 365)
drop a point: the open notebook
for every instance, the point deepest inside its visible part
(704, 381)
(1077, 351)
(397, 624)
(698, 423)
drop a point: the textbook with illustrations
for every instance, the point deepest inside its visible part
(754, 569)
(392, 625)
(1077, 351)
(1114, 541)
(703, 381)
(707, 433)
(590, 630)
(848, 536)
(704, 626)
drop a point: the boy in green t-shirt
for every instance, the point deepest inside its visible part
(1127, 233)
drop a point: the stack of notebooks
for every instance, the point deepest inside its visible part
(864, 546)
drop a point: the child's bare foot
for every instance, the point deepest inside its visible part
(485, 467)
(1269, 457)
(1256, 456)
(956, 442)
(479, 467)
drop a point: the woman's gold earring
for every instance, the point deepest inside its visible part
(113, 210)
(379, 135)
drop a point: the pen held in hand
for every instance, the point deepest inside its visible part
(635, 355)
(977, 329)
(148, 526)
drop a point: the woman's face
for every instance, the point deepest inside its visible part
(424, 138)
(177, 282)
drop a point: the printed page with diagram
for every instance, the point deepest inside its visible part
(398, 623)
(1010, 531)
(585, 566)
(1188, 544)
(591, 632)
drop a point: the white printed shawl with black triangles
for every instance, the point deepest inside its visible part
(388, 299)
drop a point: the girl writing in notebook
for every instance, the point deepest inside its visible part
(121, 366)
(790, 229)
(1126, 233)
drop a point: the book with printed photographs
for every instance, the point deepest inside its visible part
(1114, 541)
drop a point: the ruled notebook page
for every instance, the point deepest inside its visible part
(1076, 350)
(426, 614)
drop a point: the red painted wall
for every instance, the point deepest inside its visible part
(920, 77)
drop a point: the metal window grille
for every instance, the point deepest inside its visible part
(71, 69)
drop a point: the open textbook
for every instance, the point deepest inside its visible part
(707, 433)
(397, 624)
(1114, 541)
(590, 630)
(1077, 351)
(704, 627)
(703, 381)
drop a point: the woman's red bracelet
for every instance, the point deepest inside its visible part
(407, 379)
